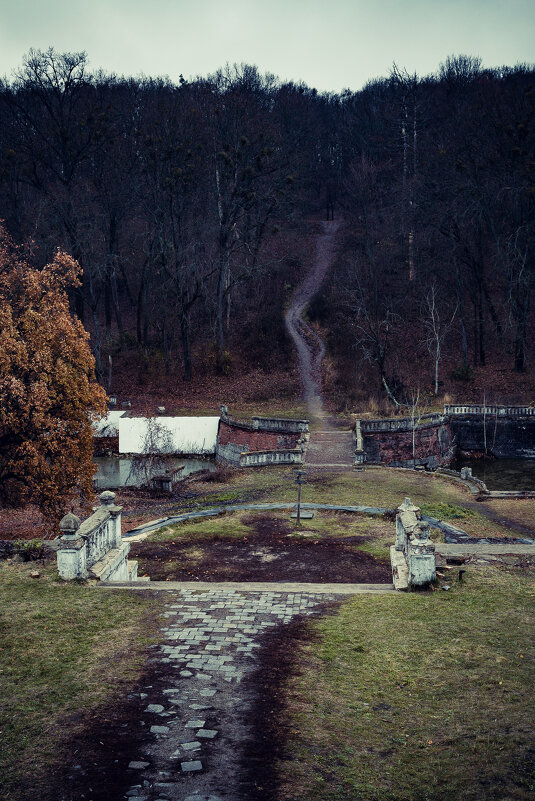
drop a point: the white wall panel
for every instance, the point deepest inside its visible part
(185, 435)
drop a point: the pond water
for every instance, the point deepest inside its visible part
(501, 474)
(115, 471)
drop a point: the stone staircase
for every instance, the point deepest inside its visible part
(330, 449)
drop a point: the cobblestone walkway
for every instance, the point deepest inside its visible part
(200, 714)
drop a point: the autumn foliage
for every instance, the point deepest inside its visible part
(48, 391)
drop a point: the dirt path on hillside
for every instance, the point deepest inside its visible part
(310, 348)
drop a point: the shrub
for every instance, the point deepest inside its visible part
(462, 373)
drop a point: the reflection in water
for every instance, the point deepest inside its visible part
(113, 472)
(501, 474)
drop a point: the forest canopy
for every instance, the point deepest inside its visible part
(183, 204)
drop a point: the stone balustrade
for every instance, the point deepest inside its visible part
(260, 458)
(94, 548)
(413, 555)
(280, 424)
(401, 423)
(489, 410)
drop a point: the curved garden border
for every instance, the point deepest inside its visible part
(451, 533)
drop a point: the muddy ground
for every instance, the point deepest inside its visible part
(271, 552)
(109, 738)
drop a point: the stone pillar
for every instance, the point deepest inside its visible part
(71, 555)
(107, 500)
(413, 556)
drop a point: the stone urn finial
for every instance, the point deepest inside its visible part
(69, 525)
(107, 498)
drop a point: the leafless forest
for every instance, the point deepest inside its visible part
(192, 209)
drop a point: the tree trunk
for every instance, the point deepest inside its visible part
(186, 347)
(521, 333)
(220, 335)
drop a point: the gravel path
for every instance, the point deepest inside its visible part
(310, 348)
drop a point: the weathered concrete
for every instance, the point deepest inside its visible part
(500, 436)
(330, 449)
(408, 442)
(257, 586)
(446, 548)
(412, 540)
(263, 441)
(94, 548)
(432, 440)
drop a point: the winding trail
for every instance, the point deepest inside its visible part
(309, 346)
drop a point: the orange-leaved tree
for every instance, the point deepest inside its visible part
(48, 391)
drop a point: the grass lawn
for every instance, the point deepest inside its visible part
(417, 697)
(64, 649)
(376, 486)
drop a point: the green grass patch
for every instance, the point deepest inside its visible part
(448, 511)
(208, 528)
(63, 648)
(375, 486)
(417, 697)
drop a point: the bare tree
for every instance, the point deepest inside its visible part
(436, 328)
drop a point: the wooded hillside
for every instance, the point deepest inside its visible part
(191, 209)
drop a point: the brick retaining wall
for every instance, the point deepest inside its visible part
(256, 440)
(432, 441)
(263, 436)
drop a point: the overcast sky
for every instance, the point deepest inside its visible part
(331, 45)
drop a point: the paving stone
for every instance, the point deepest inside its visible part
(154, 708)
(192, 746)
(159, 729)
(207, 693)
(186, 674)
(207, 734)
(188, 767)
(194, 723)
(138, 765)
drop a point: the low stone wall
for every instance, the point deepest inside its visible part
(280, 424)
(501, 431)
(401, 423)
(263, 458)
(252, 440)
(243, 443)
(408, 443)
(94, 548)
(491, 410)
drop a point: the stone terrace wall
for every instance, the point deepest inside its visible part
(391, 441)
(502, 431)
(263, 434)
(502, 437)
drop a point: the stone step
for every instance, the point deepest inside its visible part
(257, 586)
(330, 448)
